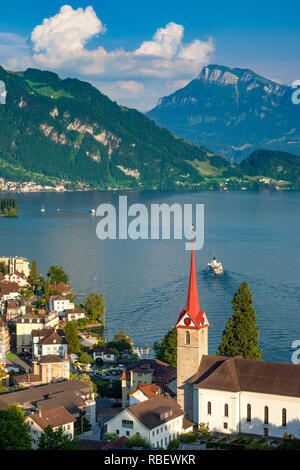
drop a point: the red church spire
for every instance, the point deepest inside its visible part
(192, 316)
(192, 303)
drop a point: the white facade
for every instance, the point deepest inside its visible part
(75, 316)
(126, 424)
(36, 431)
(263, 422)
(19, 279)
(60, 305)
(106, 357)
(137, 397)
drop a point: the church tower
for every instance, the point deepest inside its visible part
(192, 342)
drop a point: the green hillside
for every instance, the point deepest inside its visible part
(53, 130)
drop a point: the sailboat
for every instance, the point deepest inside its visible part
(43, 209)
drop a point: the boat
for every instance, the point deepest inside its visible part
(215, 267)
(92, 211)
(43, 209)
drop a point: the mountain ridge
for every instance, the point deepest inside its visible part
(232, 111)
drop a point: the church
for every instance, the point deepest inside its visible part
(232, 395)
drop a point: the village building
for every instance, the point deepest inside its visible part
(16, 264)
(143, 393)
(101, 353)
(60, 303)
(33, 321)
(49, 341)
(56, 418)
(72, 314)
(8, 291)
(4, 336)
(14, 309)
(61, 288)
(159, 420)
(75, 396)
(26, 380)
(18, 278)
(51, 368)
(147, 371)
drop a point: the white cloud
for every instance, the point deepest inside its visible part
(131, 85)
(59, 44)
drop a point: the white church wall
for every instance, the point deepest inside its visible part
(275, 404)
(216, 420)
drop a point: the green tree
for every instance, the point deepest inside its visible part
(56, 440)
(72, 338)
(57, 274)
(137, 441)
(34, 276)
(14, 432)
(122, 338)
(47, 290)
(110, 437)
(85, 358)
(166, 350)
(95, 307)
(3, 269)
(240, 337)
(86, 379)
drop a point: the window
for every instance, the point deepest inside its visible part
(266, 432)
(187, 338)
(127, 433)
(248, 413)
(209, 408)
(225, 425)
(283, 417)
(127, 424)
(266, 421)
(226, 410)
(117, 431)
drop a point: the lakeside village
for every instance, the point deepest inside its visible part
(64, 387)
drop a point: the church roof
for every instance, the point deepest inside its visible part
(197, 316)
(238, 374)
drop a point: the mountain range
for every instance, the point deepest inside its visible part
(53, 129)
(232, 111)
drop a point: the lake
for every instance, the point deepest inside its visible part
(145, 282)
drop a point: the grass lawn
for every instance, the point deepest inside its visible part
(11, 356)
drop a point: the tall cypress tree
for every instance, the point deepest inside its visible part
(240, 337)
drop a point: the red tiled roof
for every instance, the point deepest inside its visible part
(118, 444)
(61, 287)
(150, 390)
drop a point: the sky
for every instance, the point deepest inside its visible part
(136, 52)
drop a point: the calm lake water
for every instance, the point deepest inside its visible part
(256, 236)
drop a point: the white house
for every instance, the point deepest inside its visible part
(103, 353)
(56, 418)
(18, 278)
(143, 393)
(75, 314)
(59, 303)
(48, 341)
(235, 395)
(159, 420)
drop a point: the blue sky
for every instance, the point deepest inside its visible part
(138, 51)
